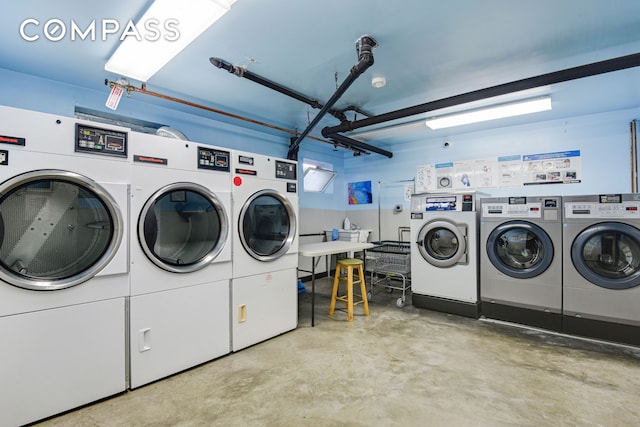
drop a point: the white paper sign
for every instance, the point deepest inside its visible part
(114, 97)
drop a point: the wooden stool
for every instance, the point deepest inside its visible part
(349, 264)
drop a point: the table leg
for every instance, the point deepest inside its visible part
(313, 290)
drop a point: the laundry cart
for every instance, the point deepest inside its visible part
(389, 263)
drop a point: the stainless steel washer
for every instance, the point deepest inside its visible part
(521, 260)
(601, 269)
(444, 260)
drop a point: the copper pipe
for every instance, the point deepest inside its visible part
(143, 90)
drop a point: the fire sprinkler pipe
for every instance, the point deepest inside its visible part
(244, 73)
(364, 47)
(579, 72)
(143, 90)
(344, 140)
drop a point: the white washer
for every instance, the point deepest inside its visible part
(264, 301)
(444, 260)
(601, 267)
(180, 256)
(521, 260)
(64, 197)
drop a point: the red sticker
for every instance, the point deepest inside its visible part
(237, 181)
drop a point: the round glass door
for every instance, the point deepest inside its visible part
(183, 227)
(442, 243)
(267, 225)
(57, 229)
(608, 255)
(520, 249)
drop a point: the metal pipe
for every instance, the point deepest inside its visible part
(364, 46)
(243, 72)
(143, 90)
(345, 140)
(634, 155)
(579, 72)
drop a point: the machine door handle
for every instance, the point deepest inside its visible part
(144, 340)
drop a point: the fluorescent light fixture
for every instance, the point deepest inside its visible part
(491, 113)
(165, 29)
(317, 179)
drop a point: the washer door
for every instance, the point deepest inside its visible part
(608, 255)
(267, 225)
(443, 244)
(520, 249)
(57, 229)
(183, 227)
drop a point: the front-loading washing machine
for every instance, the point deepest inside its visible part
(180, 255)
(444, 258)
(64, 198)
(264, 301)
(601, 268)
(521, 260)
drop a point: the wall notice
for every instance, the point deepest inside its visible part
(563, 167)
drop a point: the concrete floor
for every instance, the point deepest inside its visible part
(399, 367)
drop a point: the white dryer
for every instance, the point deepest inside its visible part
(64, 196)
(180, 256)
(264, 301)
(521, 260)
(444, 258)
(601, 268)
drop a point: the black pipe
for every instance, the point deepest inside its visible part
(582, 71)
(364, 46)
(357, 144)
(241, 72)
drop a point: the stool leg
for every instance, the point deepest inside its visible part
(350, 293)
(363, 291)
(334, 293)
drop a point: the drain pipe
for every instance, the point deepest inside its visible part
(364, 47)
(588, 70)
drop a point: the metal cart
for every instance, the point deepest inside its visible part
(389, 261)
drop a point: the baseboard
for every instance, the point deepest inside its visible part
(525, 316)
(460, 308)
(608, 331)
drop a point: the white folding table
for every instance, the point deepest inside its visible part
(314, 250)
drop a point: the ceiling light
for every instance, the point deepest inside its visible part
(166, 28)
(491, 113)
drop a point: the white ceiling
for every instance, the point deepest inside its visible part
(428, 50)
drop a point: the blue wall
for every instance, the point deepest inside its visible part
(35, 93)
(603, 140)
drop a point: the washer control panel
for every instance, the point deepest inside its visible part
(626, 209)
(443, 202)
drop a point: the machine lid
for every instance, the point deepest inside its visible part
(520, 249)
(183, 227)
(443, 243)
(267, 225)
(607, 254)
(57, 229)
